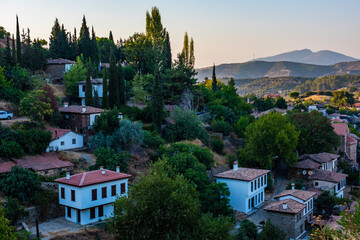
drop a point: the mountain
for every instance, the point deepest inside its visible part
(324, 57)
(260, 69)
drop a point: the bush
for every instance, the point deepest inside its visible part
(56, 118)
(35, 141)
(220, 126)
(14, 211)
(271, 232)
(11, 149)
(109, 159)
(152, 140)
(240, 126)
(248, 230)
(107, 122)
(217, 145)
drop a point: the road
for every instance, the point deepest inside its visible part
(8, 123)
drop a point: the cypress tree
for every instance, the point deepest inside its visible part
(113, 85)
(214, 81)
(121, 83)
(18, 41)
(13, 49)
(94, 48)
(111, 38)
(8, 57)
(191, 54)
(186, 48)
(157, 102)
(84, 40)
(148, 25)
(168, 58)
(89, 100)
(105, 98)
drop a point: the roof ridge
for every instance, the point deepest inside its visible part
(82, 179)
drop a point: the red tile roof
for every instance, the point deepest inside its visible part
(300, 194)
(293, 207)
(243, 174)
(43, 162)
(350, 140)
(57, 132)
(337, 120)
(59, 61)
(5, 167)
(320, 157)
(340, 129)
(78, 109)
(307, 164)
(327, 176)
(357, 105)
(93, 177)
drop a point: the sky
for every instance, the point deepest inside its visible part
(224, 31)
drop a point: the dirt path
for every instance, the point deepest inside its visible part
(8, 123)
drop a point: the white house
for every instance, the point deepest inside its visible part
(64, 139)
(329, 181)
(89, 196)
(97, 87)
(246, 185)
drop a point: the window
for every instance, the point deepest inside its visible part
(62, 143)
(73, 117)
(83, 88)
(62, 193)
(103, 192)
(69, 212)
(66, 116)
(113, 190)
(259, 183)
(94, 194)
(262, 181)
(255, 184)
(73, 195)
(298, 217)
(101, 211)
(251, 186)
(249, 204)
(92, 213)
(74, 141)
(316, 183)
(122, 188)
(265, 178)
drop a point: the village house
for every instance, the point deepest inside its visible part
(56, 68)
(64, 139)
(328, 181)
(97, 89)
(89, 196)
(246, 185)
(292, 211)
(348, 142)
(318, 107)
(80, 119)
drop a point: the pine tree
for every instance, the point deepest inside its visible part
(231, 83)
(89, 100)
(18, 41)
(186, 48)
(8, 57)
(60, 44)
(113, 84)
(168, 57)
(84, 40)
(13, 49)
(157, 102)
(27, 55)
(121, 82)
(94, 48)
(105, 98)
(214, 81)
(111, 38)
(191, 54)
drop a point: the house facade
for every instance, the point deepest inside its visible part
(348, 142)
(56, 68)
(329, 181)
(64, 139)
(246, 185)
(88, 197)
(97, 89)
(80, 119)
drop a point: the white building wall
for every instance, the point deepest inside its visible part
(68, 142)
(95, 88)
(92, 118)
(68, 67)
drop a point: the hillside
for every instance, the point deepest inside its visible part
(324, 57)
(260, 69)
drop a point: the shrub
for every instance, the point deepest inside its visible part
(152, 140)
(14, 211)
(217, 145)
(109, 159)
(35, 141)
(107, 122)
(11, 149)
(271, 232)
(248, 230)
(240, 126)
(220, 126)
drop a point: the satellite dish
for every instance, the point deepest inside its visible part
(310, 172)
(304, 172)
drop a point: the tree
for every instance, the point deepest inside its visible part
(110, 159)
(7, 232)
(214, 81)
(325, 203)
(32, 106)
(316, 133)
(49, 97)
(191, 54)
(111, 38)
(185, 50)
(105, 98)
(280, 102)
(108, 122)
(14, 211)
(140, 83)
(342, 98)
(271, 232)
(294, 95)
(18, 41)
(76, 74)
(13, 49)
(85, 46)
(247, 231)
(272, 135)
(59, 46)
(35, 141)
(168, 57)
(240, 125)
(8, 57)
(113, 83)
(157, 103)
(21, 183)
(89, 100)
(121, 82)
(94, 47)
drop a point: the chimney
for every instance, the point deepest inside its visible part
(67, 175)
(83, 108)
(101, 167)
(103, 172)
(66, 104)
(235, 166)
(118, 169)
(292, 186)
(284, 206)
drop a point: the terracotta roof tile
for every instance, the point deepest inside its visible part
(43, 162)
(328, 176)
(340, 129)
(244, 174)
(293, 207)
(92, 177)
(57, 132)
(5, 167)
(337, 120)
(307, 164)
(320, 157)
(350, 140)
(78, 109)
(300, 194)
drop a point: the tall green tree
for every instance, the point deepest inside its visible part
(157, 102)
(94, 47)
(105, 98)
(185, 50)
(342, 98)
(168, 57)
(8, 57)
(113, 83)
(89, 100)
(111, 38)
(214, 81)
(59, 46)
(76, 74)
(121, 82)
(18, 41)
(84, 42)
(7, 232)
(13, 49)
(191, 53)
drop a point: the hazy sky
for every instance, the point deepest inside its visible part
(224, 31)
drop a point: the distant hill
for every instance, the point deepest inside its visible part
(324, 57)
(260, 69)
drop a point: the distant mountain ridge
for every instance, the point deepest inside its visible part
(324, 57)
(260, 69)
